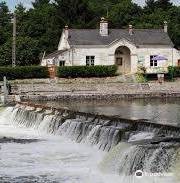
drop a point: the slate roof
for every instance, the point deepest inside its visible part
(139, 37)
(54, 54)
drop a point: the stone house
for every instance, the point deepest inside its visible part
(129, 48)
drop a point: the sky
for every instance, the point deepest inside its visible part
(12, 3)
(27, 3)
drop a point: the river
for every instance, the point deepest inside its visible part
(58, 158)
(165, 111)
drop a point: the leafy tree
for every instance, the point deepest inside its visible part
(75, 13)
(164, 4)
(174, 25)
(39, 3)
(150, 6)
(5, 26)
(27, 52)
(124, 13)
(5, 54)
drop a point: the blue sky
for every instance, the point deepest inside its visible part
(27, 3)
(12, 3)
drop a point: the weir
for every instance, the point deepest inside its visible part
(131, 144)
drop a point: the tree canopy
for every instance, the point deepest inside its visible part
(39, 28)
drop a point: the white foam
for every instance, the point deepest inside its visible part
(141, 136)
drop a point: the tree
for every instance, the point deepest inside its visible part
(40, 25)
(164, 4)
(5, 24)
(20, 11)
(5, 53)
(124, 13)
(150, 6)
(75, 13)
(174, 25)
(27, 51)
(39, 3)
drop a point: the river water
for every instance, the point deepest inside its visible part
(55, 158)
(52, 159)
(165, 111)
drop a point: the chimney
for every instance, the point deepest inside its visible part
(103, 27)
(165, 26)
(130, 30)
(66, 31)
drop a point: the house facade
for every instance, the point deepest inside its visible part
(129, 49)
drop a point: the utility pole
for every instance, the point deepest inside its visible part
(107, 12)
(14, 42)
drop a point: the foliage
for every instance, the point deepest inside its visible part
(141, 78)
(27, 51)
(174, 71)
(24, 72)
(123, 13)
(141, 69)
(39, 28)
(86, 71)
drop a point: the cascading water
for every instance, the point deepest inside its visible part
(125, 148)
(148, 158)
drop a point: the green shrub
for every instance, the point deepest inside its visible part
(140, 78)
(174, 71)
(24, 72)
(86, 71)
(154, 77)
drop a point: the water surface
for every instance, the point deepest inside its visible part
(57, 159)
(165, 111)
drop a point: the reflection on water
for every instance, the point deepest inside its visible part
(165, 111)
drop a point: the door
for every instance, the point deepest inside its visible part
(120, 64)
(179, 62)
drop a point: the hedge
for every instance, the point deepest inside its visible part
(154, 77)
(86, 71)
(23, 72)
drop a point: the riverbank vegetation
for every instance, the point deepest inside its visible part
(24, 72)
(30, 72)
(174, 71)
(39, 28)
(84, 71)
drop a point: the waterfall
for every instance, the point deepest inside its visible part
(131, 145)
(176, 167)
(93, 131)
(126, 159)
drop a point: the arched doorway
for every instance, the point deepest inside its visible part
(123, 59)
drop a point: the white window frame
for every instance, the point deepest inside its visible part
(90, 60)
(153, 63)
